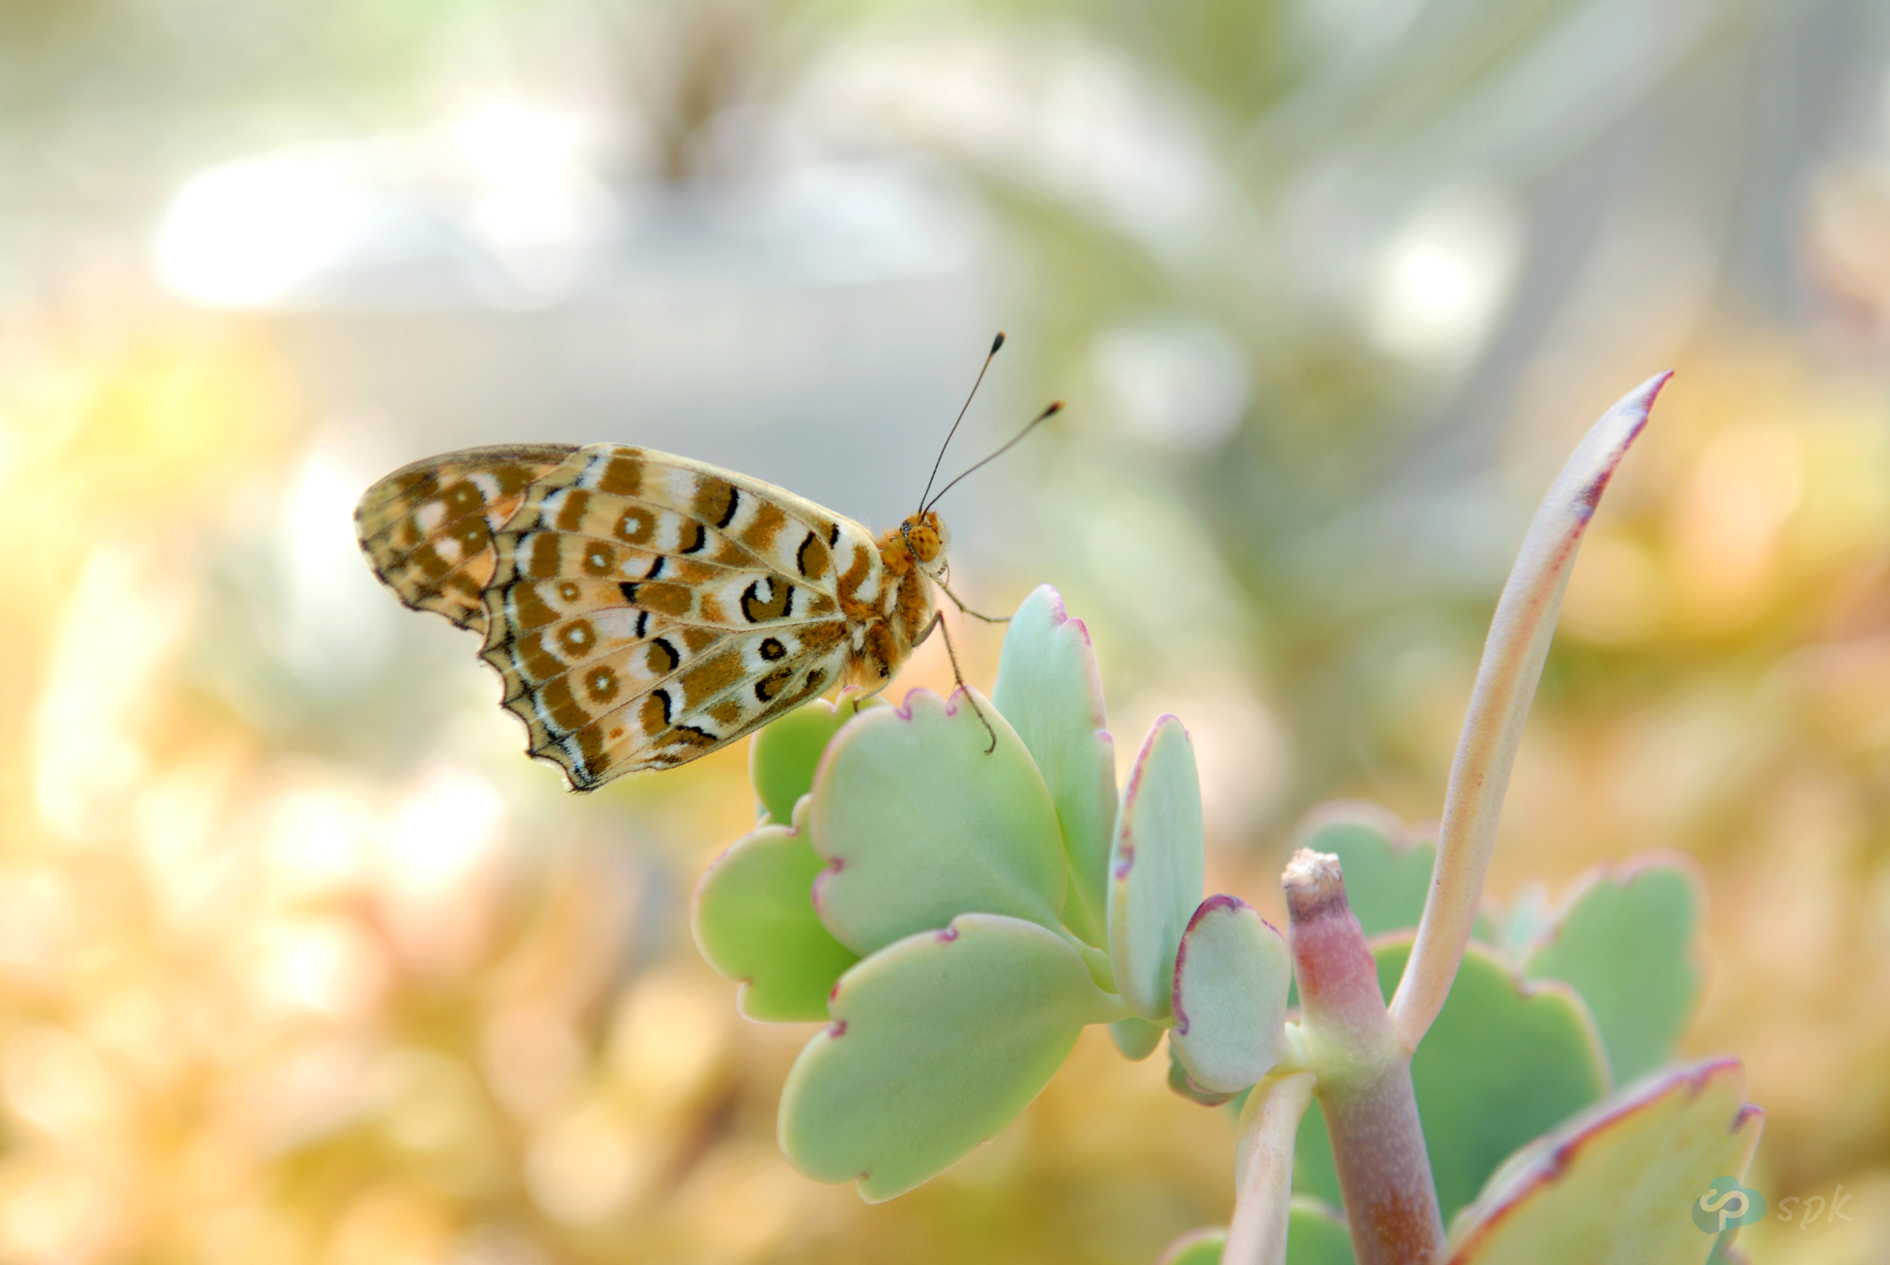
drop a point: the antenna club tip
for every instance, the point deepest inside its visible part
(1056, 406)
(997, 342)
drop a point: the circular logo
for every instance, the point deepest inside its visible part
(1725, 1204)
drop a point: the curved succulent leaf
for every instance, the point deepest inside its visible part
(1620, 1182)
(1156, 868)
(1513, 656)
(1184, 1084)
(1050, 691)
(1229, 996)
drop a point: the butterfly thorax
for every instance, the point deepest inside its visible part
(911, 557)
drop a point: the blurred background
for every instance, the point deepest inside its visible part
(302, 962)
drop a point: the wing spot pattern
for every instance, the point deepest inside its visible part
(576, 637)
(602, 684)
(717, 501)
(545, 562)
(571, 513)
(811, 558)
(599, 558)
(776, 603)
(770, 685)
(622, 476)
(637, 525)
(462, 498)
(662, 657)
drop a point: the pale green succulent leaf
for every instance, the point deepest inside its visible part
(1387, 873)
(1387, 870)
(782, 756)
(1135, 1037)
(753, 919)
(917, 823)
(1315, 1173)
(1625, 943)
(936, 1043)
(1505, 1061)
(1316, 1234)
(1229, 995)
(1157, 865)
(1196, 1247)
(1181, 1083)
(1050, 691)
(1622, 1181)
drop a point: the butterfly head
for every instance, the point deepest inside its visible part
(926, 540)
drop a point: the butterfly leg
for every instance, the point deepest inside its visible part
(966, 610)
(938, 622)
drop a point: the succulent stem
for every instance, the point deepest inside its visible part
(1263, 1170)
(1512, 663)
(1364, 1074)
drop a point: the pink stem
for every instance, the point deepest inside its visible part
(1364, 1074)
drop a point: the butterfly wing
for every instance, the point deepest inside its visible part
(648, 609)
(427, 528)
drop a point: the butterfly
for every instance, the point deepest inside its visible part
(642, 609)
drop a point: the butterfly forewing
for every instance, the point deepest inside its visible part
(427, 528)
(646, 609)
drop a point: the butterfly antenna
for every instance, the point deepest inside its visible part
(1055, 408)
(989, 356)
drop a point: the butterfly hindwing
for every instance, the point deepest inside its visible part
(612, 715)
(645, 609)
(427, 528)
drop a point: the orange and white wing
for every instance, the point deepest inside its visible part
(648, 609)
(427, 528)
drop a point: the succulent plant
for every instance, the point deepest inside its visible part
(955, 918)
